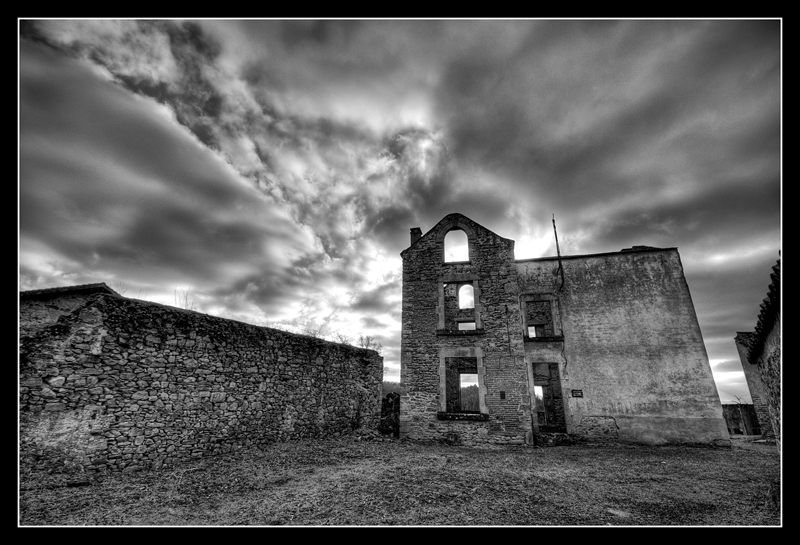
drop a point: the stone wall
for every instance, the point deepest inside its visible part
(430, 338)
(769, 363)
(765, 351)
(755, 385)
(109, 383)
(44, 307)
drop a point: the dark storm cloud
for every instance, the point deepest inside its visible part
(371, 323)
(184, 87)
(318, 33)
(153, 201)
(317, 208)
(728, 293)
(614, 102)
(264, 291)
(718, 218)
(316, 145)
(375, 300)
(391, 225)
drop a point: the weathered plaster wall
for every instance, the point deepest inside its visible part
(752, 375)
(427, 339)
(633, 346)
(120, 384)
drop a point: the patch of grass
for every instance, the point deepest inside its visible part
(346, 482)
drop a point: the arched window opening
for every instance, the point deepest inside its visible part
(456, 247)
(466, 296)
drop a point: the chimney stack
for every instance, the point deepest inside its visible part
(416, 234)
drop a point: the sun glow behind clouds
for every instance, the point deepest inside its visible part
(741, 254)
(532, 246)
(730, 384)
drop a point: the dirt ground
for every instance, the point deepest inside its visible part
(350, 481)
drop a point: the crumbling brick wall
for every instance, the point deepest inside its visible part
(121, 384)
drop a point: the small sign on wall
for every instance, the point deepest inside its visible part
(577, 393)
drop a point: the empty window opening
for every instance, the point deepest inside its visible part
(459, 306)
(536, 331)
(538, 319)
(466, 296)
(469, 393)
(456, 247)
(462, 394)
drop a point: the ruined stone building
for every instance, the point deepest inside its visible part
(606, 348)
(741, 419)
(760, 354)
(112, 383)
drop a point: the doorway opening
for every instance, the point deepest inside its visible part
(548, 398)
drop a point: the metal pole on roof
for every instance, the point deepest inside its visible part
(558, 250)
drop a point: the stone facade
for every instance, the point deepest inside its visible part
(110, 383)
(763, 351)
(609, 350)
(754, 384)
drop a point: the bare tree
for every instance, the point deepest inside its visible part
(307, 325)
(368, 341)
(310, 327)
(341, 338)
(119, 287)
(184, 299)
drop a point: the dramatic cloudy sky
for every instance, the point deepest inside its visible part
(270, 171)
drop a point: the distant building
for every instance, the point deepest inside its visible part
(607, 347)
(741, 419)
(761, 350)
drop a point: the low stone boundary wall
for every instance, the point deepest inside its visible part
(122, 384)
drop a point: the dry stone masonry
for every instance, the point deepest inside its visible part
(755, 385)
(760, 354)
(602, 347)
(110, 383)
